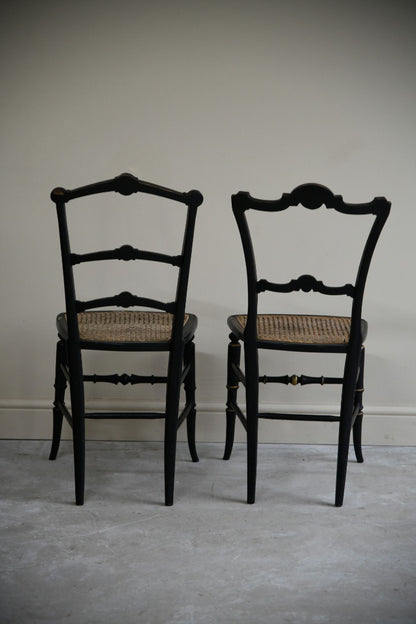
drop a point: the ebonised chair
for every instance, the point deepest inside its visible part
(84, 327)
(300, 332)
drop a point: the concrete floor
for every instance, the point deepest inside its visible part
(125, 558)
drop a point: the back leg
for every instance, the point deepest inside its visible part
(252, 410)
(351, 376)
(173, 389)
(234, 354)
(189, 360)
(343, 447)
(357, 427)
(60, 387)
(78, 424)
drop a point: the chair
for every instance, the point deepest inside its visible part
(300, 332)
(84, 328)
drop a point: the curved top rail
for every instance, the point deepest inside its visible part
(126, 184)
(311, 196)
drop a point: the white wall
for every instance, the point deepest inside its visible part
(219, 96)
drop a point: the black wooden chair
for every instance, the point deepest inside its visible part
(300, 332)
(83, 327)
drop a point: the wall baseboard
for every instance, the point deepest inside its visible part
(28, 420)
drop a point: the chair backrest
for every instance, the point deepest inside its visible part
(312, 197)
(126, 184)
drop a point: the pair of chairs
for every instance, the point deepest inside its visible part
(94, 325)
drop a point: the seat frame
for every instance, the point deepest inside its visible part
(180, 348)
(312, 197)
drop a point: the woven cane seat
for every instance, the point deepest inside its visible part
(120, 326)
(298, 329)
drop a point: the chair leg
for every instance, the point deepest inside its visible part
(357, 427)
(343, 448)
(347, 408)
(252, 412)
(171, 422)
(234, 353)
(78, 425)
(79, 455)
(189, 359)
(60, 387)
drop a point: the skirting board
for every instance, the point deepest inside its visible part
(28, 420)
